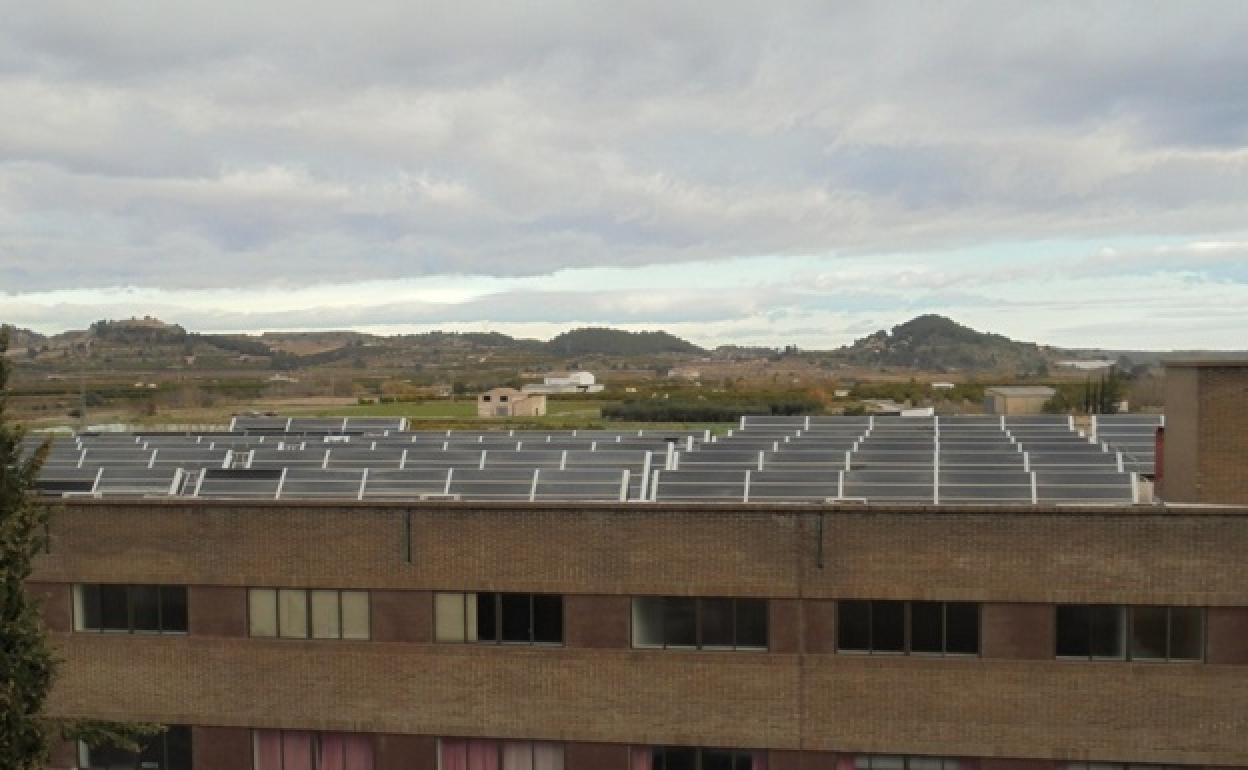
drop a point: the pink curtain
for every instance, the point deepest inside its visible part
(268, 749)
(758, 760)
(547, 756)
(482, 755)
(331, 752)
(296, 750)
(357, 752)
(454, 754)
(845, 762)
(642, 758)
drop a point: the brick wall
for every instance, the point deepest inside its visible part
(1189, 713)
(1014, 702)
(1027, 555)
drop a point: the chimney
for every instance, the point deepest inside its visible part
(1206, 434)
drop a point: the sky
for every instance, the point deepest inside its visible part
(734, 172)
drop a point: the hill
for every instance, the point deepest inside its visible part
(936, 343)
(615, 342)
(21, 339)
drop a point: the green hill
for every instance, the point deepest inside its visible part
(936, 343)
(615, 342)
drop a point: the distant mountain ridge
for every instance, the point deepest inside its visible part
(936, 343)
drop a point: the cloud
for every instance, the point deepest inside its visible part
(266, 149)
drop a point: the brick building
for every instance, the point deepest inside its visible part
(1027, 638)
(661, 635)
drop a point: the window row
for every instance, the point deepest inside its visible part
(170, 750)
(900, 627)
(480, 754)
(513, 618)
(689, 758)
(1095, 632)
(149, 609)
(296, 613)
(700, 623)
(1117, 632)
(305, 750)
(896, 762)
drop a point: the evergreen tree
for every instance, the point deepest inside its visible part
(26, 661)
(27, 665)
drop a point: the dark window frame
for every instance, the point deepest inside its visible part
(307, 614)
(80, 597)
(907, 647)
(741, 759)
(1128, 617)
(699, 636)
(84, 751)
(496, 598)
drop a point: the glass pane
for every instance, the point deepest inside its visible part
(292, 613)
(853, 625)
(716, 759)
(1148, 633)
(145, 608)
(113, 611)
(325, 615)
(1072, 631)
(680, 758)
(962, 628)
(548, 618)
(448, 617)
(517, 755)
(487, 617)
(173, 608)
(752, 623)
(296, 750)
(262, 608)
(547, 756)
(888, 762)
(717, 624)
(927, 627)
(178, 748)
(680, 622)
(888, 626)
(517, 614)
(648, 621)
(471, 632)
(925, 763)
(1187, 633)
(1109, 633)
(87, 608)
(355, 616)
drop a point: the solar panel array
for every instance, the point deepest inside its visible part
(943, 461)
(1135, 435)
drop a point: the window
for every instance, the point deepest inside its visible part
(1115, 632)
(677, 622)
(508, 618)
(142, 609)
(898, 627)
(296, 613)
(302, 750)
(463, 754)
(690, 758)
(171, 750)
(893, 762)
